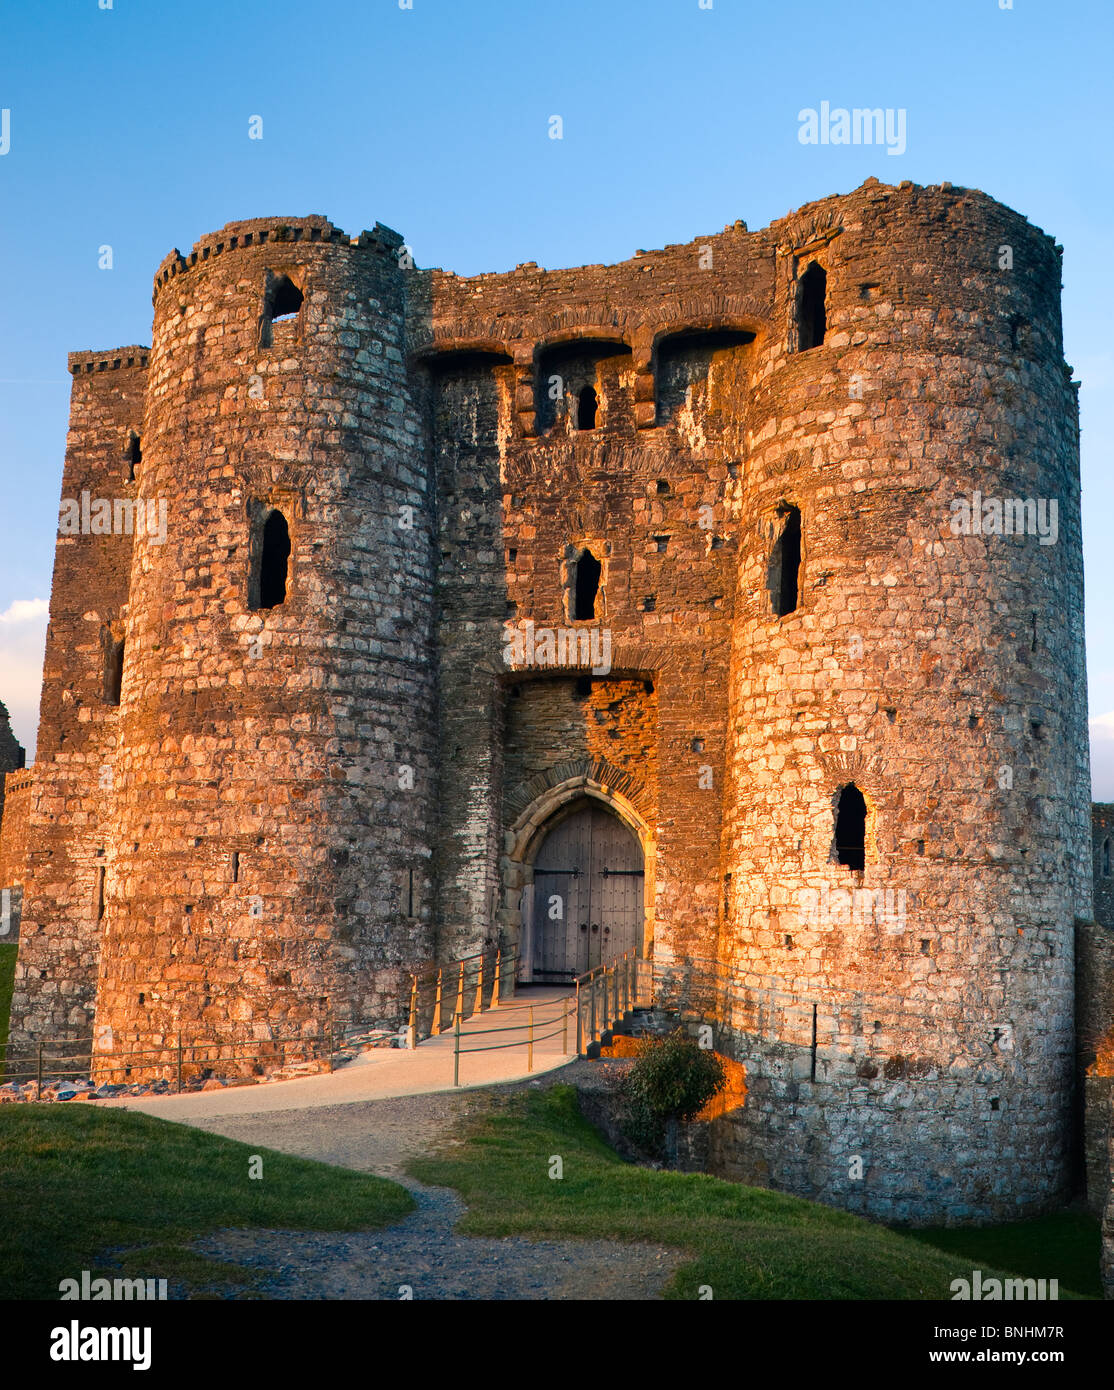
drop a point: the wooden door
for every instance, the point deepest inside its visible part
(588, 895)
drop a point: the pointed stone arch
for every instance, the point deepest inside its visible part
(533, 805)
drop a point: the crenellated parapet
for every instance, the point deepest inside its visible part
(107, 360)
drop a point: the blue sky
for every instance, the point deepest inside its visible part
(129, 127)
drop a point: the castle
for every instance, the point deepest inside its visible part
(724, 605)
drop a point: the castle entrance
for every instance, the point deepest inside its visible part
(588, 895)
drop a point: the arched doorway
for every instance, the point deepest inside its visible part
(587, 906)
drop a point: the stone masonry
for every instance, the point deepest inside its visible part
(1094, 1016)
(11, 752)
(12, 835)
(250, 817)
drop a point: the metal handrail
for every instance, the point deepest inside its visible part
(531, 1039)
(436, 978)
(621, 980)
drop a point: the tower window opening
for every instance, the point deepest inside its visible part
(273, 561)
(98, 895)
(587, 406)
(285, 300)
(281, 304)
(812, 320)
(1106, 857)
(785, 562)
(114, 673)
(133, 455)
(850, 828)
(586, 586)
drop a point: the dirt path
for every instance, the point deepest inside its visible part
(422, 1253)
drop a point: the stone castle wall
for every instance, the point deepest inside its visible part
(928, 669)
(71, 798)
(263, 820)
(11, 753)
(1094, 1017)
(14, 841)
(1102, 848)
(305, 801)
(14, 800)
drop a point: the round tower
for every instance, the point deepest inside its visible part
(905, 832)
(268, 874)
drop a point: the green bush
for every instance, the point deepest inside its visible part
(669, 1083)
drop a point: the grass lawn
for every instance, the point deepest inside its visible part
(1066, 1245)
(745, 1242)
(78, 1181)
(8, 952)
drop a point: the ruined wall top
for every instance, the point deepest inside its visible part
(286, 232)
(601, 295)
(107, 359)
(673, 285)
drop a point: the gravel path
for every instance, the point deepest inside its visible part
(422, 1253)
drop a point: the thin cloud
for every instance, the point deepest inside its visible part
(25, 610)
(1102, 757)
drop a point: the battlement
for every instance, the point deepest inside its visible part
(272, 231)
(107, 359)
(23, 779)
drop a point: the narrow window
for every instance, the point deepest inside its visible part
(235, 866)
(850, 828)
(586, 587)
(273, 560)
(285, 300)
(281, 303)
(785, 562)
(587, 406)
(98, 896)
(811, 316)
(114, 673)
(410, 903)
(134, 455)
(1106, 858)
